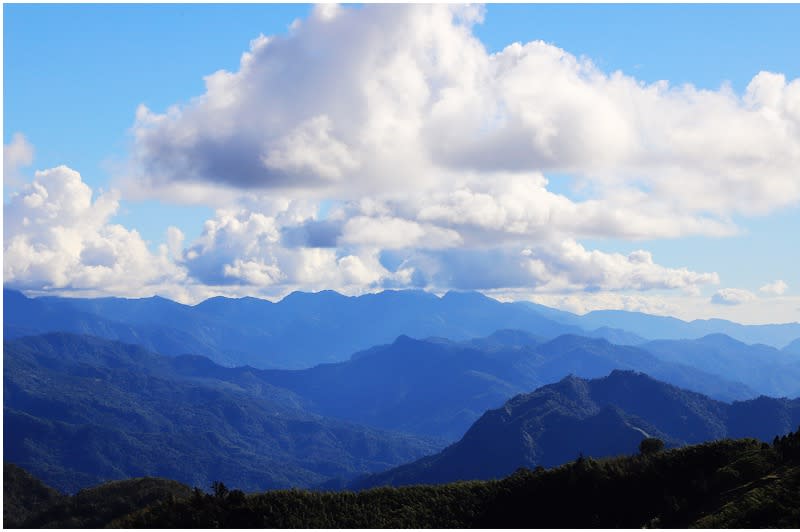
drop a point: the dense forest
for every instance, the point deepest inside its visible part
(722, 484)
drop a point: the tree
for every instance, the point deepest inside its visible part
(220, 490)
(651, 445)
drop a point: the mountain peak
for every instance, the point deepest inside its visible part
(720, 339)
(465, 296)
(404, 339)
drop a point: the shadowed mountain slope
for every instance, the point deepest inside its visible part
(439, 388)
(599, 417)
(80, 410)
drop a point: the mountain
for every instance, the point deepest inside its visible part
(301, 330)
(23, 316)
(792, 348)
(24, 496)
(90, 508)
(79, 410)
(668, 328)
(438, 388)
(762, 368)
(616, 336)
(305, 329)
(599, 417)
(722, 484)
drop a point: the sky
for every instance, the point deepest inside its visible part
(642, 157)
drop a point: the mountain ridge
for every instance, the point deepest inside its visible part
(304, 329)
(135, 413)
(596, 417)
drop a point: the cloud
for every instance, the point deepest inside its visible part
(569, 266)
(58, 237)
(519, 207)
(557, 266)
(432, 157)
(16, 155)
(310, 150)
(775, 288)
(391, 233)
(583, 303)
(683, 306)
(244, 247)
(732, 296)
(353, 102)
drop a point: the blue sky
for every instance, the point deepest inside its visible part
(75, 75)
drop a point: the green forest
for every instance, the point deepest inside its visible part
(721, 484)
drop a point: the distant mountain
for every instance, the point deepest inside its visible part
(439, 388)
(600, 417)
(762, 368)
(668, 328)
(305, 329)
(616, 336)
(793, 348)
(23, 316)
(80, 410)
(299, 331)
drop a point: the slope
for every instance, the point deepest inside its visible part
(599, 417)
(439, 388)
(79, 410)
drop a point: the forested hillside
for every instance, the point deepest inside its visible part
(79, 410)
(721, 484)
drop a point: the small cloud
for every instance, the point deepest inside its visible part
(775, 288)
(732, 296)
(18, 154)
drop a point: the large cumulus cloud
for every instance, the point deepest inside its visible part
(391, 100)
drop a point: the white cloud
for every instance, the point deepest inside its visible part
(547, 267)
(519, 206)
(16, 155)
(569, 266)
(310, 150)
(57, 237)
(685, 307)
(253, 272)
(583, 303)
(355, 102)
(244, 247)
(775, 288)
(175, 238)
(435, 154)
(391, 233)
(732, 296)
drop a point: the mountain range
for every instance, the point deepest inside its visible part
(133, 412)
(400, 387)
(437, 387)
(600, 417)
(306, 329)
